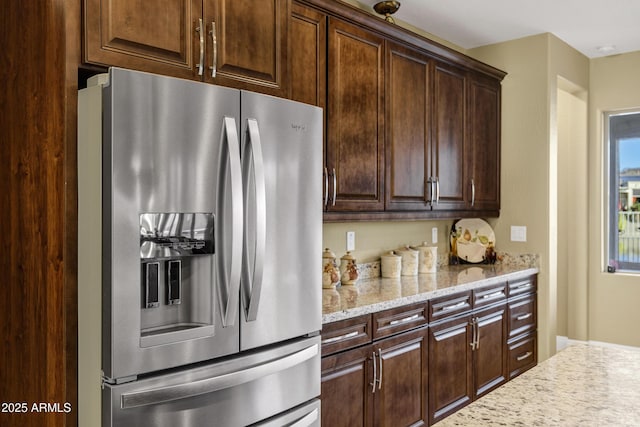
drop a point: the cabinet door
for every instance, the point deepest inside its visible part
(355, 134)
(408, 126)
(346, 388)
(401, 397)
(308, 55)
(450, 367)
(484, 143)
(248, 46)
(449, 144)
(159, 38)
(490, 354)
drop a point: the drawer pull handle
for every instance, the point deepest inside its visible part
(375, 374)
(524, 316)
(406, 319)
(522, 287)
(524, 356)
(454, 306)
(340, 338)
(493, 295)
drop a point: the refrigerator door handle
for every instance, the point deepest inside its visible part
(159, 395)
(253, 269)
(229, 264)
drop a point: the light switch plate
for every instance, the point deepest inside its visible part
(434, 235)
(351, 240)
(518, 233)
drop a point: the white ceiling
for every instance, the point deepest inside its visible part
(585, 25)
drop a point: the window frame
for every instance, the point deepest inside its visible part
(612, 188)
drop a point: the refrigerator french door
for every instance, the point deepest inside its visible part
(209, 229)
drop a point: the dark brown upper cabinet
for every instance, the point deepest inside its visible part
(220, 41)
(355, 118)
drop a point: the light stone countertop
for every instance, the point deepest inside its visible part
(583, 385)
(375, 294)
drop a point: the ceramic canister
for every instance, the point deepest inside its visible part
(409, 261)
(427, 258)
(390, 264)
(348, 269)
(330, 272)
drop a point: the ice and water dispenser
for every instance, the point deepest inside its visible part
(176, 259)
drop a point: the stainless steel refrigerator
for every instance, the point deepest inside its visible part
(199, 228)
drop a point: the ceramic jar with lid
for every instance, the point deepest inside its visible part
(409, 261)
(330, 272)
(390, 264)
(427, 258)
(348, 269)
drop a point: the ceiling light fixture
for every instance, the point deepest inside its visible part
(606, 49)
(387, 8)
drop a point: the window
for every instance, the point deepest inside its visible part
(624, 190)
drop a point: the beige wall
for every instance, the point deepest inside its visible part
(613, 298)
(533, 172)
(375, 238)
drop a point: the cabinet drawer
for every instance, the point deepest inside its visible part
(450, 305)
(522, 287)
(488, 295)
(522, 315)
(399, 319)
(523, 355)
(345, 334)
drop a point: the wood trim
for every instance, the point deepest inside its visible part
(406, 215)
(35, 302)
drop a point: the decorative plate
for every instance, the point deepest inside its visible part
(470, 239)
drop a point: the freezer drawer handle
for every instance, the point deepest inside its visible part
(195, 388)
(307, 420)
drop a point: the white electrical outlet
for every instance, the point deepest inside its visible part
(351, 240)
(518, 233)
(434, 235)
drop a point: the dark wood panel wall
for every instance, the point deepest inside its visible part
(38, 63)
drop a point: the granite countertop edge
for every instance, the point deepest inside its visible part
(443, 286)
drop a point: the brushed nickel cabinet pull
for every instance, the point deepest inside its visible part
(214, 40)
(524, 356)
(335, 185)
(473, 192)
(473, 334)
(406, 319)
(326, 187)
(453, 306)
(493, 295)
(200, 31)
(375, 374)
(340, 338)
(524, 316)
(380, 360)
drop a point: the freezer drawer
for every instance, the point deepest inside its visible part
(238, 391)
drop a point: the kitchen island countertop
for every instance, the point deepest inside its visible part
(583, 385)
(375, 294)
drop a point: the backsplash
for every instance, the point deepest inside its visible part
(370, 270)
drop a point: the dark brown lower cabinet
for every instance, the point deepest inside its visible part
(346, 395)
(381, 384)
(467, 359)
(450, 375)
